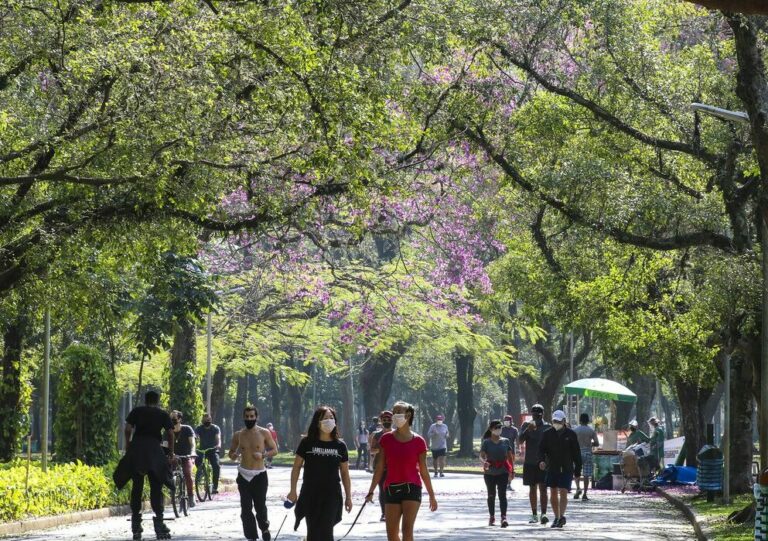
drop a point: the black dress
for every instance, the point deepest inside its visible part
(320, 500)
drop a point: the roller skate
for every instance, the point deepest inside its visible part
(136, 527)
(161, 530)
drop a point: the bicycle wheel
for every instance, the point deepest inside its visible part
(175, 501)
(202, 483)
(184, 505)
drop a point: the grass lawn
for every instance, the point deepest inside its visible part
(716, 513)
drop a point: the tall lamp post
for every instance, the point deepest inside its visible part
(740, 116)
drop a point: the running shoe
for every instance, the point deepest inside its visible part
(435, 475)
(534, 519)
(544, 519)
(491, 521)
(504, 522)
(561, 522)
(584, 497)
(383, 519)
(442, 474)
(555, 523)
(576, 496)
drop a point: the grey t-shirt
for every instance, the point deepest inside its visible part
(496, 452)
(586, 436)
(438, 436)
(207, 435)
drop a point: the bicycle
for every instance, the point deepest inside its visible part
(179, 499)
(203, 476)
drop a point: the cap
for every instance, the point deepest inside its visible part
(507, 417)
(538, 408)
(558, 415)
(440, 418)
(385, 413)
(633, 422)
(653, 420)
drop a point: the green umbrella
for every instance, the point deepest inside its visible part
(600, 388)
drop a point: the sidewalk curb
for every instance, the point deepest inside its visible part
(19, 527)
(702, 532)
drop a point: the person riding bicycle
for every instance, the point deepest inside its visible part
(209, 435)
(184, 443)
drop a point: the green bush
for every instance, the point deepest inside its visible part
(88, 400)
(64, 488)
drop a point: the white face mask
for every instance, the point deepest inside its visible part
(496, 432)
(507, 423)
(558, 425)
(439, 422)
(327, 425)
(399, 420)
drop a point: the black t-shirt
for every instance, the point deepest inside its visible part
(207, 435)
(181, 443)
(321, 461)
(149, 421)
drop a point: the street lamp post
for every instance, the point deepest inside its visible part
(740, 116)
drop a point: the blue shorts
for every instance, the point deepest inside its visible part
(559, 480)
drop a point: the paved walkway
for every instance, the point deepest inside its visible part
(462, 516)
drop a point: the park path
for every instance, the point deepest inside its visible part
(462, 516)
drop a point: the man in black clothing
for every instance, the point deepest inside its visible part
(560, 458)
(210, 444)
(530, 434)
(144, 455)
(386, 426)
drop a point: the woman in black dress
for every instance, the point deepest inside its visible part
(326, 462)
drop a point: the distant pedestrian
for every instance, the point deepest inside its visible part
(373, 428)
(361, 441)
(498, 457)
(438, 443)
(325, 460)
(587, 438)
(270, 457)
(560, 458)
(636, 435)
(531, 434)
(657, 437)
(209, 435)
(145, 428)
(386, 427)
(509, 431)
(405, 455)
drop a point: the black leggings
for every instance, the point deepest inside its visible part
(497, 483)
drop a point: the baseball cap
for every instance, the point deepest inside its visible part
(558, 415)
(385, 413)
(440, 418)
(653, 420)
(633, 422)
(537, 407)
(507, 417)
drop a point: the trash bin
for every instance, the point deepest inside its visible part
(709, 476)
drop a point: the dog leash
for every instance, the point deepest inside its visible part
(355, 521)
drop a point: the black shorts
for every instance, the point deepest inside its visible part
(559, 480)
(403, 492)
(437, 453)
(533, 475)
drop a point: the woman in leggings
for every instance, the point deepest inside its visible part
(498, 458)
(324, 458)
(404, 454)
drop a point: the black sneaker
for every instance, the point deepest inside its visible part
(576, 496)
(555, 523)
(544, 519)
(561, 522)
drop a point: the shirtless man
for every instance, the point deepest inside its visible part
(252, 445)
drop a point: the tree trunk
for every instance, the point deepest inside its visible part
(297, 421)
(253, 393)
(513, 398)
(376, 379)
(645, 388)
(692, 399)
(11, 407)
(232, 422)
(740, 429)
(465, 402)
(184, 384)
(347, 413)
(623, 409)
(241, 395)
(276, 396)
(667, 406)
(218, 394)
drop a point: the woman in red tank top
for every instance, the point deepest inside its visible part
(404, 456)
